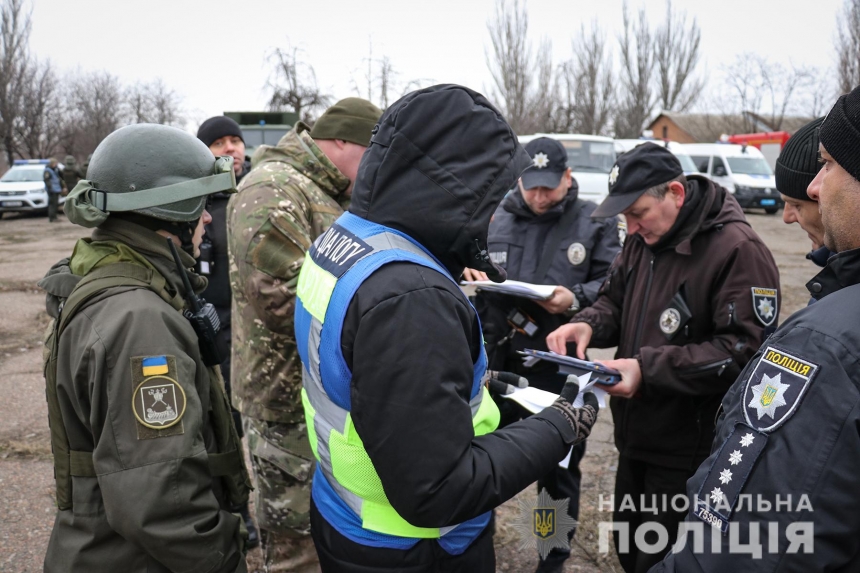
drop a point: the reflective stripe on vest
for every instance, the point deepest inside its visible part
(347, 490)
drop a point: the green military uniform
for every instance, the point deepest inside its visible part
(71, 173)
(149, 506)
(291, 196)
(146, 458)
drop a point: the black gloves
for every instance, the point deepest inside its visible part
(503, 383)
(581, 419)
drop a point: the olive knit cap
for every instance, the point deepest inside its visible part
(351, 119)
(797, 164)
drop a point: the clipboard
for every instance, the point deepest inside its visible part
(570, 365)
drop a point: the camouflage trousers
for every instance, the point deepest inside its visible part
(283, 466)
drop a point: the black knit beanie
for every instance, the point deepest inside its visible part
(797, 164)
(217, 127)
(840, 132)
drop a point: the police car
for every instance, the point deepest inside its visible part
(22, 188)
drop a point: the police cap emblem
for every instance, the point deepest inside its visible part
(576, 253)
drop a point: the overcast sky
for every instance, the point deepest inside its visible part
(214, 53)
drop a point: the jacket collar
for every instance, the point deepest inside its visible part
(153, 247)
(842, 271)
(297, 148)
(516, 205)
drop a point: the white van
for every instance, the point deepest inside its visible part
(590, 158)
(625, 145)
(742, 169)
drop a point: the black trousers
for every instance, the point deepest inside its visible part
(53, 205)
(560, 483)
(637, 478)
(339, 554)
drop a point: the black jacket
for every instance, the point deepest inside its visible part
(815, 452)
(438, 164)
(719, 282)
(580, 262)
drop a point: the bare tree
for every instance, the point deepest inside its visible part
(380, 82)
(848, 46)
(294, 86)
(153, 102)
(95, 109)
(38, 127)
(766, 90)
(589, 76)
(14, 62)
(636, 94)
(523, 77)
(676, 51)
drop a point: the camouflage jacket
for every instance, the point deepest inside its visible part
(291, 196)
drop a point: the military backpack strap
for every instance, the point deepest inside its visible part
(69, 463)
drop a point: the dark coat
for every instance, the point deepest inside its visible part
(813, 453)
(712, 260)
(517, 241)
(437, 167)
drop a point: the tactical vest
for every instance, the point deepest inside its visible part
(227, 464)
(347, 489)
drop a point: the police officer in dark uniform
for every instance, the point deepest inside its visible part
(781, 480)
(542, 233)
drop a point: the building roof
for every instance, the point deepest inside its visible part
(708, 127)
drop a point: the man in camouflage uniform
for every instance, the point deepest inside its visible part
(294, 192)
(71, 173)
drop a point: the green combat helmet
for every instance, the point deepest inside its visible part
(148, 171)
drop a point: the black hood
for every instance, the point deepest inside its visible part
(439, 162)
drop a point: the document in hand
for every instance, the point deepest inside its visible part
(535, 400)
(515, 288)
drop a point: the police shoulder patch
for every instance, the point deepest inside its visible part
(158, 401)
(775, 387)
(765, 304)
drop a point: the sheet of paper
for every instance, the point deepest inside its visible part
(515, 288)
(534, 400)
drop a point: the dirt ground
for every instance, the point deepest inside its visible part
(29, 245)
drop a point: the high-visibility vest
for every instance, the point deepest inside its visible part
(346, 488)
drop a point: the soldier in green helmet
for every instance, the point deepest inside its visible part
(146, 457)
(71, 172)
(294, 192)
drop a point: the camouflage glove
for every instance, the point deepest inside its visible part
(582, 419)
(503, 383)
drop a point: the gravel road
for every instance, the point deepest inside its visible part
(29, 245)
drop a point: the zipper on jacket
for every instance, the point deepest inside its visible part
(719, 366)
(732, 319)
(641, 322)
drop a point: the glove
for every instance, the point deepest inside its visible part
(503, 383)
(581, 420)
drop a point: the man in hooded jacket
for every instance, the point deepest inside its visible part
(409, 466)
(687, 302)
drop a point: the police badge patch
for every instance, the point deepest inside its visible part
(158, 401)
(775, 388)
(576, 253)
(765, 304)
(670, 321)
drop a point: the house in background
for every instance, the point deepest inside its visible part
(709, 127)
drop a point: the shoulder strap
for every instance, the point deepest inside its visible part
(554, 239)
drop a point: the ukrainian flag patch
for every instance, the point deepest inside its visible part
(154, 365)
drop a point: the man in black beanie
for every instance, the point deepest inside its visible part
(223, 136)
(796, 167)
(789, 436)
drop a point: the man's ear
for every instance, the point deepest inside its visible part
(679, 193)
